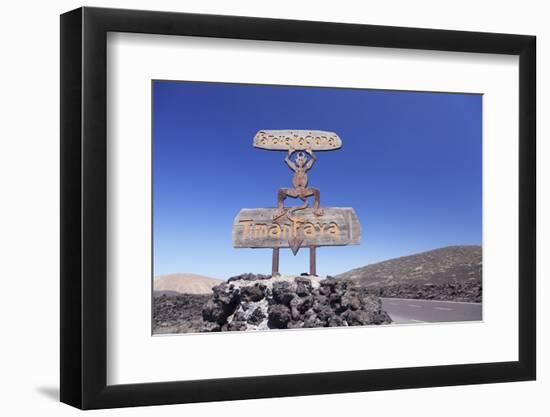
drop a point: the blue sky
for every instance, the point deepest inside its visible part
(410, 165)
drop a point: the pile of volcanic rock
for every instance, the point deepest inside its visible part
(259, 302)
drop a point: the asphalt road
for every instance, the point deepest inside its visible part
(403, 310)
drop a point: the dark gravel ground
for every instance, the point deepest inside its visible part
(181, 313)
(468, 291)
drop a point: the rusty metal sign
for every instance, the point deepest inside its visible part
(298, 226)
(256, 228)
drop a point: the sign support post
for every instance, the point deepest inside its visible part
(313, 260)
(275, 262)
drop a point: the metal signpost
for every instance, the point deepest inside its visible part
(298, 226)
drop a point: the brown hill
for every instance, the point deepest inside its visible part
(448, 265)
(185, 283)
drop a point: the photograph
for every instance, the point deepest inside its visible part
(298, 207)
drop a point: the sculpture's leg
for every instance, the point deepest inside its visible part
(316, 201)
(281, 196)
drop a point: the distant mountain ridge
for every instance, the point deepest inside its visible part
(184, 283)
(451, 264)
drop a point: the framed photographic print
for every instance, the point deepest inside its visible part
(298, 200)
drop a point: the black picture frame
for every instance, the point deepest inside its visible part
(84, 207)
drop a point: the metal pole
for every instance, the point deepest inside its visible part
(275, 262)
(312, 261)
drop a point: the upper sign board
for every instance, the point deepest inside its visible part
(301, 140)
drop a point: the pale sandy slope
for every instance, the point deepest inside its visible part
(185, 283)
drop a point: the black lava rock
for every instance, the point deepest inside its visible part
(223, 303)
(256, 317)
(249, 277)
(282, 292)
(279, 316)
(253, 293)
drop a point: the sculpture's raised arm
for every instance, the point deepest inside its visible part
(311, 160)
(288, 161)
